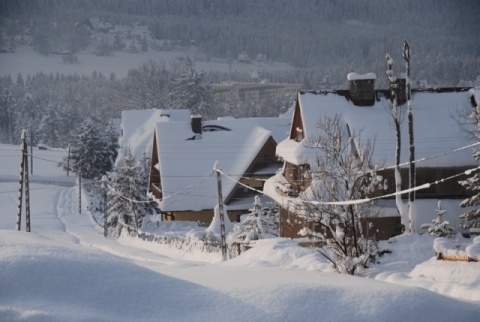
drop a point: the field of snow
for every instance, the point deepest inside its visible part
(27, 62)
(65, 270)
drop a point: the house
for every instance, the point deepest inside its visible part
(137, 128)
(183, 155)
(365, 110)
(244, 58)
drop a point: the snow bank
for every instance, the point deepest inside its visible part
(473, 252)
(456, 279)
(44, 281)
(442, 244)
(281, 253)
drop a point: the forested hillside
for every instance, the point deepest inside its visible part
(333, 37)
(323, 39)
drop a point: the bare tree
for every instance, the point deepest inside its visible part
(343, 175)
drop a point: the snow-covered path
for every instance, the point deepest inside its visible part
(65, 270)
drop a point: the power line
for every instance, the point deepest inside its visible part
(420, 187)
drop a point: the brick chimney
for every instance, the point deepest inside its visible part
(196, 124)
(362, 88)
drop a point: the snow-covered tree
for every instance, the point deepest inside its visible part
(439, 227)
(7, 115)
(189, 92)
(260, 223)
(343, 173)
(471, 218)
(145, 87)
(274, 105)
(128, 203)
(49, 128)
(93, 150)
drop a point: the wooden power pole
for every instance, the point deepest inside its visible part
(24, 183)
(217, 169)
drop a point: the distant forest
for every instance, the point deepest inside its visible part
(330, 37)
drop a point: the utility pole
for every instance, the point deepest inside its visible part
(31, 152)
(27, 189)
(217, 169)
(24, 182)
(79, 192)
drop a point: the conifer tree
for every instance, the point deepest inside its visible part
(7, 115)
(258, 224)
(189, 92)
(439, 227)
(49, 128)
(93, 150)
(128, 204)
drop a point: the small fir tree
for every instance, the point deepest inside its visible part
(439, 227)
(259, 224)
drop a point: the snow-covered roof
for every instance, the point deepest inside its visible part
(137, 129)
(186, 159)
(435, 129)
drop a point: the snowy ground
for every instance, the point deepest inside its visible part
(28, 62)
(66, 270)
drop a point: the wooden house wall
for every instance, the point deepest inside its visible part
(383, 227)
(296, 176)
(297, 123)
(443, 190)
(203, 217)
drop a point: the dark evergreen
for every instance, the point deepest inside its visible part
(91, 150)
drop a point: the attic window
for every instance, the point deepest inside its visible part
(214, 128)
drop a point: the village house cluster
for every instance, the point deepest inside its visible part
(272, 157)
